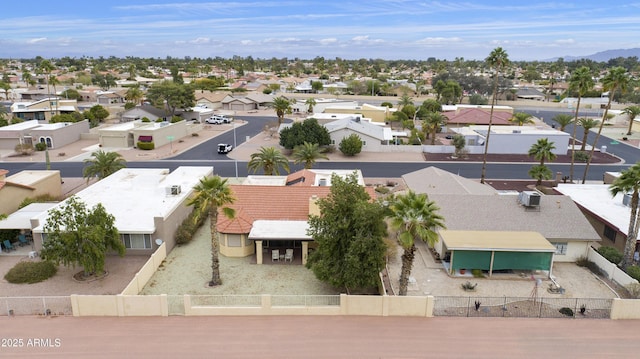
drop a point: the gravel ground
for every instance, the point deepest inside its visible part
(187, 270)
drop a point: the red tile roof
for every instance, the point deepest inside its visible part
(301, 178)
(475, 116)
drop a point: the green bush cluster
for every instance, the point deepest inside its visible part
(382, 190)
(146, 145)
(351, 145)
(43, 198)
(188, 227)
(477, 273)
(9, 234)
(31, 272)
(41, 146)
(175, 119)
(581, 156)
(584, 262)
(566, 311)
(145, 119)
(611, 254)
(634, 272)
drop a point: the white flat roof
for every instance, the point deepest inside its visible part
(21, 219)
(21, 126)
(125, 126)
(597, 199)
(134, 196)
(523, 130)
(272, 230)
(28, 178)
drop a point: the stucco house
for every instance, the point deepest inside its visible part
(27, 184)
(54, 135)
(512, 139)
(373, 137)
(527, 230)
(148, 205)
(43, 109)
(380, 114)
(128, 134)
(209, 99)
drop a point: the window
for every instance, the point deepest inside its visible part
(234, 240)
(561, 248)
(364, 143)
(610, 233)
(137, 241)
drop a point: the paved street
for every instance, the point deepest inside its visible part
(317, 337)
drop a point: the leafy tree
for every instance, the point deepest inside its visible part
(587, 124)
(632, 112)
(308, 153)
(563, 119)
(104, 81)
(477, 99)
(386, 104)
(211, 194)
(350, 145)
(310, 102)
(270, 160)
(317, 86)
(350, 232)
(431, 105)
(521, 118)
(79, 236)
(498, 58)
(71, 94)
(458, 143)
(102, 164)
(414, 216)
(171, 96)
(432, 123)
(282, 106)
(67, 117)
(308, 130)
(629, 181)
(617, 79)
(539, 173)
(99, 113)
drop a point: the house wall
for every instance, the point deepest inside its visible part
(178, 130)
(114, 139)
(372, 144)
(245, 249)
(12, 196)
(373, 114)
(599, 226)
(62, 136)
(520, 143)
(166, 227)
(575, 250)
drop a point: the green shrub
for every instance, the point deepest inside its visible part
(129, 105)
(41, 146)
(351, 145)
(581, 156)
(159, 120)
(477, 273)
(611, 254)
(145, 119)
(566, 311)
(31, 272)
(382, 190)
(145, 145)
(188, 227)
(634, 272)
(43, 198)
(584, 262)
(175, 119)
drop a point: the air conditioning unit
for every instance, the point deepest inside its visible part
(529, 198)
(322, 182)
(626, 199)
(175, 190)
(517, 131)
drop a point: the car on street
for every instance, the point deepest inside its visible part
(224, 148)
(218, 119)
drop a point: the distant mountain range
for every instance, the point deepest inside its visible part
(604, 56)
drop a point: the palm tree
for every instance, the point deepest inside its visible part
(521, 118)
(543, 150)
(498, 58)
(404, 101)
(581, 81)
(616, 80)
(270, 160)
(102, 164)
(310, 102)
(587, 124)
(632, 112)
(134, 94)
(282, 106)
(432, 123)
(629, 181)
(540, 172)
(209, 195)
(415, 217)
(308, 153)
(53, 80)
(563, 119)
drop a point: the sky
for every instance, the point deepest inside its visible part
(386, 29)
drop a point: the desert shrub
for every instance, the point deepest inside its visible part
(566, 311)
(41, 146)
(477, 273)
(634, 290)
(129, 105)
(31, 272)
(382, 190)
(145, 119)
(146, 145)
(175, 119)
(24, 149)
(188, 227)
(634, 272)
(159, 119)
(351, 145)
(611, 254)
(584, 262)
(581, 156)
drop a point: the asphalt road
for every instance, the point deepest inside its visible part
(317, 337)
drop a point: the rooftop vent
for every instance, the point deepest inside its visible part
(174, 190)
(626, 199)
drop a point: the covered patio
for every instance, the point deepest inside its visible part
(285, 242)
(497, 250)
(21, 220)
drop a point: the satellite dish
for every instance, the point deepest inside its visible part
(159, 241)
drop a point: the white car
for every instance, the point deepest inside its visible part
(224, 148)
(218, 119)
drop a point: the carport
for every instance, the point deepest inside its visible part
(497, 250)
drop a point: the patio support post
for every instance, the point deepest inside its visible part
(305, 252)
(258, 252)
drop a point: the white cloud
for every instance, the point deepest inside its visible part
(438, 40)
(200, 40)
(37, 40)
(330, 41)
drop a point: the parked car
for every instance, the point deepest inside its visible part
(218, 119)
(224, 148)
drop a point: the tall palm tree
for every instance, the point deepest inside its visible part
(134, 94)
(270, 160)
(53, 80)
(540, 172)
(308, 153)
(310, 102)
(521, 118)
(498, 58)
(102, 164)
(414, 216)
(632, 112)
(543, 150)
(581, 81)
(616, 80)
(563, 119)
(282, 106)
(404, 101)
(432, 122)
(587, 124)
(629, 181)
(210, 194)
